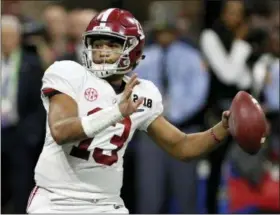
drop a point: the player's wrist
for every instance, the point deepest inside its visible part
(119, 112)
(219, 132)
(93, 124)
(214, 136)
(122, 109)
(116, 113)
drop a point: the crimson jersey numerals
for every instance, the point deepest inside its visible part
(82, 152)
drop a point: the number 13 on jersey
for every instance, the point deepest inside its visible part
(81, 151)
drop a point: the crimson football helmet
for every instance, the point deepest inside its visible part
(121, 25)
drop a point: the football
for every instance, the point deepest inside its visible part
(247, 122)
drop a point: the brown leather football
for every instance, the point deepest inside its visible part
(247, 122)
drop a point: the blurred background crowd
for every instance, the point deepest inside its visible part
(199, 53)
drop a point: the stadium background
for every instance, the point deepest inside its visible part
(52, 30)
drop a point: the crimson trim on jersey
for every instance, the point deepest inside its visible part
(49, 92)
(32, 195)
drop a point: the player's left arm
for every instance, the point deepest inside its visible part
(187, 146)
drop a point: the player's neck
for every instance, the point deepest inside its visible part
(117, 83)
(115, 80)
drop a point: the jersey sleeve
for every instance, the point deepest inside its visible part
(157, 107)
(64, 77)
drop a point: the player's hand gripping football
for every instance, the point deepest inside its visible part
(126, 105)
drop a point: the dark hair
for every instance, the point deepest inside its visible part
(247, 8)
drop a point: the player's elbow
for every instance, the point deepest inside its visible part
(58, 134)
(189, 157)
(191, 149)
(182, 150)
(185, 156)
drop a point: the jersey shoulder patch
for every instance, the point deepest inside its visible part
(152, 102)
(148, 88)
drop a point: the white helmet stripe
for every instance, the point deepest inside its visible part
(100, 16)
(105, 16)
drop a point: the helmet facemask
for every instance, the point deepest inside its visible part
(104, 69)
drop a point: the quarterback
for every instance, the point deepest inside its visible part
(93, 112)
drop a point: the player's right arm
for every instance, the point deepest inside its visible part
(65, 125)
(61, 86)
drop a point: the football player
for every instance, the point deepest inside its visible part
(93, 112)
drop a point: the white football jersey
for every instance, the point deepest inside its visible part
(92, 168)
